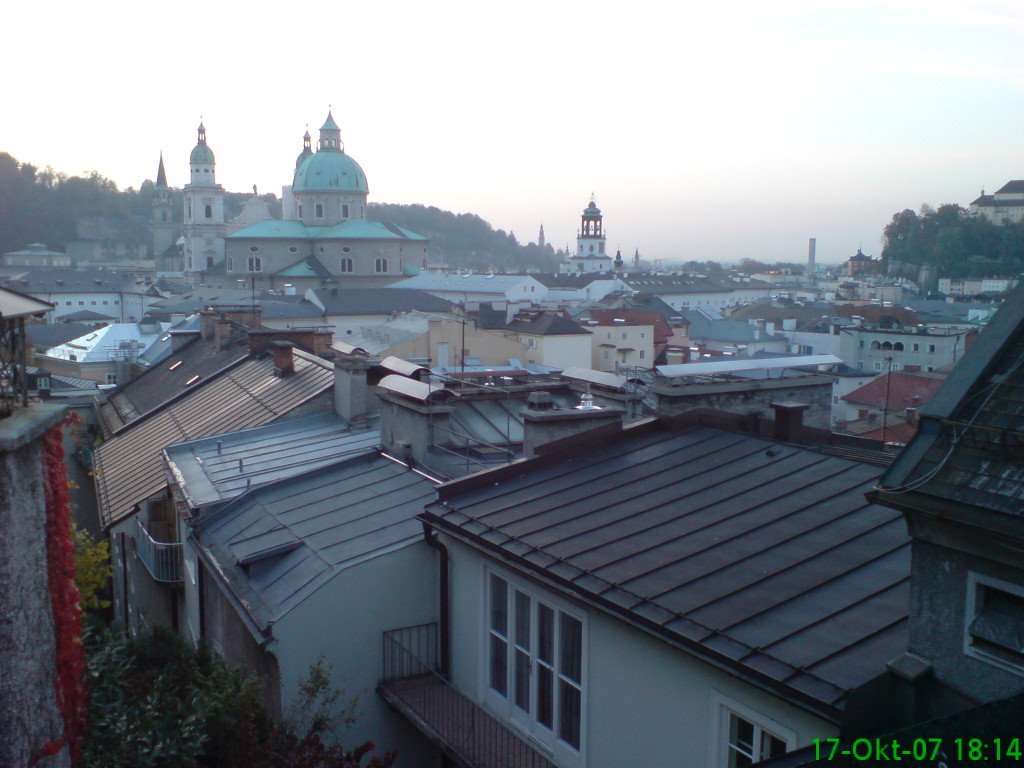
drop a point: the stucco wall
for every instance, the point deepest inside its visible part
(344, 623)
(29, 717)
(755, 396)
(645, 702)
(938, 617)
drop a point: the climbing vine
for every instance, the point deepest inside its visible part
(67, 615)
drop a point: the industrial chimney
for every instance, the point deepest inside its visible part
(811, 244)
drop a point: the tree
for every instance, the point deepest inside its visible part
(92, 569)
(157, 701)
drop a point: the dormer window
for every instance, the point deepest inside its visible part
(381, 265)
(319, 210)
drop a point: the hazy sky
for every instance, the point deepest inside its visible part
(705, 133)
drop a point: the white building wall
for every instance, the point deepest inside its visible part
(344, 622)
(558, 351)
(644, 702)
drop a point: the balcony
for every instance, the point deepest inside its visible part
(457, 725)
(161, 558)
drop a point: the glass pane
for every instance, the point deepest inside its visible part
(499, 659)
(522, 681)
(522, 620)
(499, 605)
(545, 695)
(738, 759)
(572, 648)
(545, 633)
(569, 710)
(741, 734)
(771, 746)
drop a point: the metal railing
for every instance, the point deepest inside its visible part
(162, 559)
(463, 729)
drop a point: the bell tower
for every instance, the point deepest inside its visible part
(591, 241)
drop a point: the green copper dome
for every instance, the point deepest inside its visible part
(201, 155)
(329, 171)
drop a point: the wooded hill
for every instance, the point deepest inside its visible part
(955, 243)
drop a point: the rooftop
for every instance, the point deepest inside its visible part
(761, 556)
(129, 466)
(302, 531)
(216, 469)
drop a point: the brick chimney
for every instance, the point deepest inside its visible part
(353, 397)
(789, 420)
(284, 360)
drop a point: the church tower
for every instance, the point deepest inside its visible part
(204, 211)
(541, 241)
(162, 223)
(591, 241)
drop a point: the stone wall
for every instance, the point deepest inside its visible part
(750, 397)
(29, 717)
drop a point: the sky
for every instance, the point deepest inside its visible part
(726, 132)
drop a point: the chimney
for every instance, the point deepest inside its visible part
(789, 421)
(812, 244)
(544, 422)
(284, 360)
(221, 331)
(353, 397)
(912, 416)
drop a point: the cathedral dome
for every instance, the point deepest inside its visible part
(329, 171)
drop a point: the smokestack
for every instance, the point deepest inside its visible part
(811, 245)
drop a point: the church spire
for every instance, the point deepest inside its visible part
(161, 174)
(540, 238)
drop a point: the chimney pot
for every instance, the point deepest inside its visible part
(284, 359)
(789, 420)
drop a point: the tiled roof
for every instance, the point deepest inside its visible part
(760, 556)
(1015, 187)
(196, 362)
(662, 330)
(967, 451)
(896, 390)
(129, 467)
(306, 529)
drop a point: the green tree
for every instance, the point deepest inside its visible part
(92, 569)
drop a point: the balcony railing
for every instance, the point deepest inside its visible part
(460, 727)
(162, 558)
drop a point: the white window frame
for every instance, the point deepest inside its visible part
(503, 707)
(975, 583)
(722, 707)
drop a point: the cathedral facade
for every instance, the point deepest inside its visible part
(323, 237)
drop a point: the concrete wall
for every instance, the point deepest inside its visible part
(629, 342)
(29, 717)
(559, 351)
(644, 703)
(344, 623)
(754, 396)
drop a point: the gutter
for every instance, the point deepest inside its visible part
(444, 600)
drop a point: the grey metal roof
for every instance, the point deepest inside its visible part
(14, 304)
(216, 469)
(129, 467)
(46, 335)
(378, 301)
(968, 447)
(35, 281)
(298, 533)
(761, 556)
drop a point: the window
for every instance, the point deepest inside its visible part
(111, 378)
(896, 367)
(209, 262)
(878, 365)
(535, 665)
(231, 264)
(319, 210)
(346, 249)
(346, 265)
(642, 354)
(643, 335)
(116, 302)
(344, 210)
(43, 382)
(209, 211)
(994, 622)
(293, 249)
(105, 303)
(745, 736)
(835, 399)
(190, 209)
(255, 264)
(875, 345)
(931, 349)
(531, 343)
(898, 346)
(606, 354)
(81, 303)
(381, 265)
(915, 347)
(93, 303)
(300, 210)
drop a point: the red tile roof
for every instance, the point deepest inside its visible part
(662, 330)
(902, 389)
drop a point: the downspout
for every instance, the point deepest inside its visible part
(444, 626)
